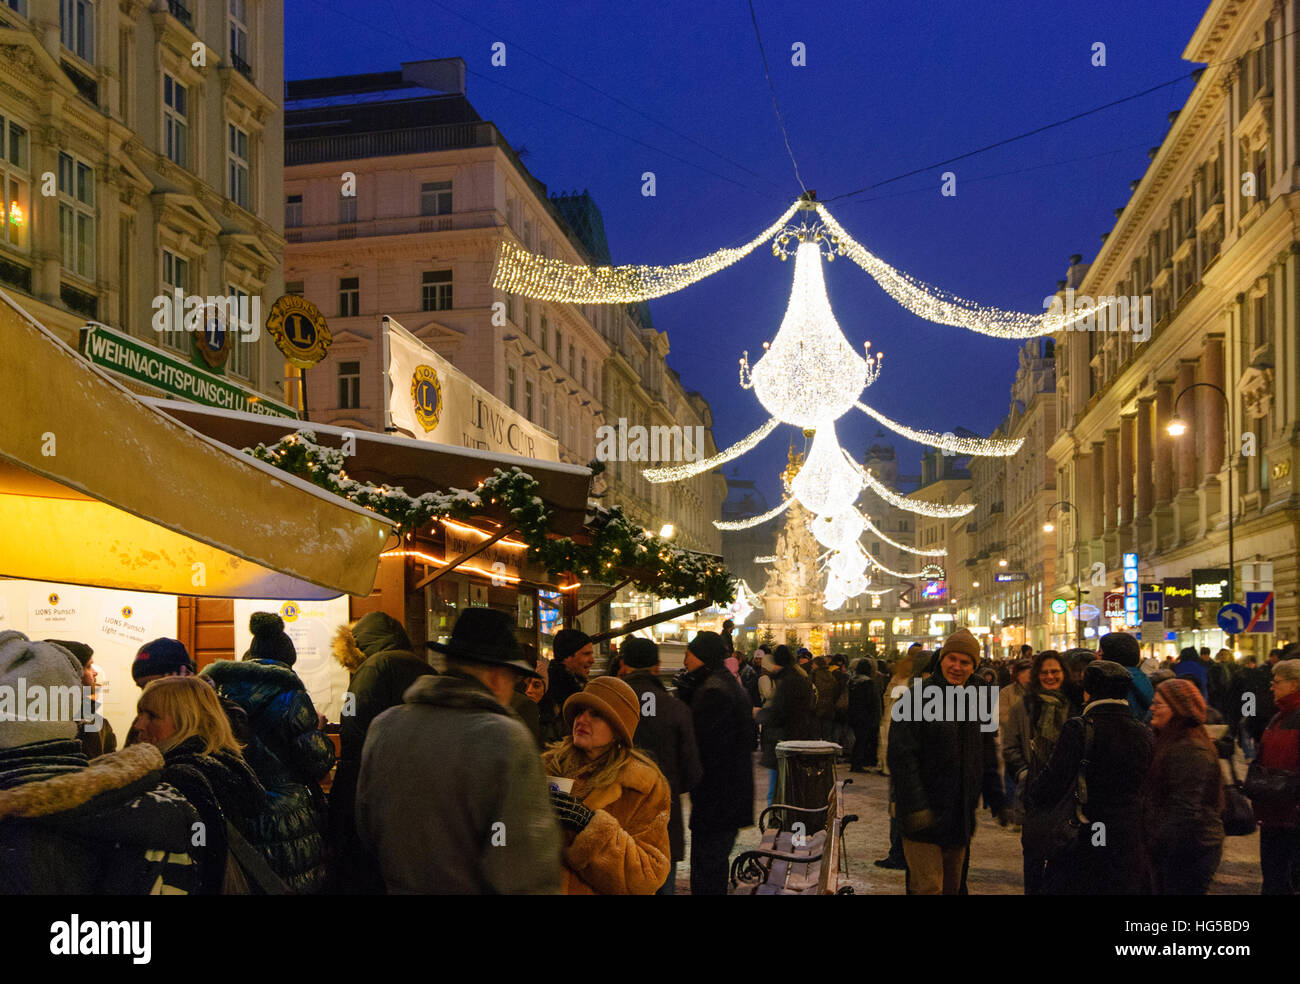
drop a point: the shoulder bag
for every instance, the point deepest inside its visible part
(1048, 834)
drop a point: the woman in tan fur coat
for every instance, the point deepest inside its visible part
(615, 819)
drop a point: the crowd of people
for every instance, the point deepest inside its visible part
(507, 773)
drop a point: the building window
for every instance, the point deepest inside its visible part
(77, 216)
(349, 297)
(510, 307)
(546, 335)
(559, 345)
(435, 198)
(237, 165)
(528, 398)
(292, 211)
(584, 372)
(511, 386)
(238, 23)
(1260, 317)
(435, 290)
(241, 351)
(175, 275)
(175, 120)
(15, 184)
(77, 18)
(571, 363)
(293, 287)
(546, 409)
(349, 385)
(18, 6)
(528, 319)
(347, 208)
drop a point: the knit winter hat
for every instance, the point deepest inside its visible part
(639, 653)
(162, 657)
(1184, 699)
(962, 642)
(28, 669)
(709, 649)
(613, 700)
(80, 650)
(270, 641)
(1120, 647)
(569, 641)
(1104, 679)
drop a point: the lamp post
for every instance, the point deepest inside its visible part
(1177, 428)
(1078, 574)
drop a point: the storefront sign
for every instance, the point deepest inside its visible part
(111, 349)
(1210, 584)
(1131, 615)
(310, 626)
(1113, 604)
(934, 589)
(434, 401)
(1178, 592)
(1007, 576)
(1060, 606)
(299, 330)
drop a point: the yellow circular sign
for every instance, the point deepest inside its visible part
(299, 330)
(126, 611)
(290, 611)
(54, 599)
(426, 396)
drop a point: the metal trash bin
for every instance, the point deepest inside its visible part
(805, 772)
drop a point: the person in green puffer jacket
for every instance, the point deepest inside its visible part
(288, 751)
(377, 652)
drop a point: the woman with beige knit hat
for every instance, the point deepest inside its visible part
(615, 817)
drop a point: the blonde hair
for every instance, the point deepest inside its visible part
(192, 706)
(563, 758)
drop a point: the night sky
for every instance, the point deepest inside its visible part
(888, 88)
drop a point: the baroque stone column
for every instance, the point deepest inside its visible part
(1187, 405)
(1144, 458)
(1111, 468)
(1127, 468)
(1164, 446)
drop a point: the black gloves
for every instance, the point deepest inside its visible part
(573, 815)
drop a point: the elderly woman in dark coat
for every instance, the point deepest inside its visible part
(1183, 795)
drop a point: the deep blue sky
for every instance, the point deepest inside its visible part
(888, 87)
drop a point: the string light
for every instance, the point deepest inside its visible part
(826, 484)
(934, 510)
(898, 574)
(744, 524)
(941, 306)
(809, 373)
(675, 473)
(979, 446)
(529, 275)
(938, 552)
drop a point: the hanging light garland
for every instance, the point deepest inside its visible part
(938, 552)
(529, 275)
(744, 524)
(808, 373)
(675, 473)
(978, 446)
(935, 510)
(898, 574)
(941, 306)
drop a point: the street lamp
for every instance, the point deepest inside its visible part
(1078, 574)
(1002, 562)
(1177, 427)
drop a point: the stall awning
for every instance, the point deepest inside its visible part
(99, 488)
(416, 466)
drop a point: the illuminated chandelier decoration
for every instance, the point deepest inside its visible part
(845, 526)
(826, 484)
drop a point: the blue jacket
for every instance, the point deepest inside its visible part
(1140, 694)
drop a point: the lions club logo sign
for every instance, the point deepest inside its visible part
(289, 611)
(426, 396)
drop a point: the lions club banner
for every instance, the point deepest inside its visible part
(434, 401)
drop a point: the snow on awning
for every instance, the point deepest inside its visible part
(98, 488)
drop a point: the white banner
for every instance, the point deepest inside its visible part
(310, 626)
(432, 399)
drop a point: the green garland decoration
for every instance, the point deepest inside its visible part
(619, 547)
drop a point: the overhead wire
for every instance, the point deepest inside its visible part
(776, 106)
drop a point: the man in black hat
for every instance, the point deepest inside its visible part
(574, 656)
(723, 801)
(451, 799)
(667, 734)
(1108, 856)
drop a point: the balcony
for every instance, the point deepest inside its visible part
(241, 66)
(84, 84)
(403, 226)
(389, 143)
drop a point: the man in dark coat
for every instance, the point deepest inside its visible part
(574, 656)
(1108, 856)
(70, 826)
(827, 692)
(451, 798)
(377, 652)
(667, 734)
(940, 768)
(864, 715)
(723, 801)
